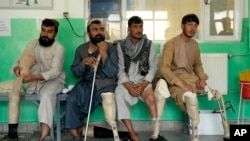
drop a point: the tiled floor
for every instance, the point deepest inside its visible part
(144, 136)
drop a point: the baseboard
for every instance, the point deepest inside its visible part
(139, 126)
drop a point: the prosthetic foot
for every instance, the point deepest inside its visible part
(193, 113)
(109, 107)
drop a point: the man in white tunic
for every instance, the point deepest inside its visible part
(45, 78)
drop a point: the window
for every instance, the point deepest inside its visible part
(223, 20)
(162, 18)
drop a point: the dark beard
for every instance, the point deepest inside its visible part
(45, 41)
(98, 38)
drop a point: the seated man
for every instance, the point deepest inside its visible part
(85, 66)
(181, 67)
(137, 68)
(40, 67)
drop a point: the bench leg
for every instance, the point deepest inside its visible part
(58, 120)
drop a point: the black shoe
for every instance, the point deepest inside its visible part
(160, 138)
(7, 138)
(226, 139)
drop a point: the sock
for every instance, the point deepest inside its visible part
(12, 130)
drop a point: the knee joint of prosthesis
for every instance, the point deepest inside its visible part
(109, 107)
(191, 103)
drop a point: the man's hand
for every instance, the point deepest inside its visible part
(201, 84)
(28, 78)
(103, 49)
(141, 86)
(89, 61)
(31, 77)
(17, 71)
(132, 89)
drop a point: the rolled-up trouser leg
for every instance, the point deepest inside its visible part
(191, 102)
(109, 107)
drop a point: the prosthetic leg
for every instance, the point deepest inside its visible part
(26, 61)
(109, 107)
(191, 102)
(216, 95)
(161, 93)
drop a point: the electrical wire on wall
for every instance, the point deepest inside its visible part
(66, 17)
(65, 14)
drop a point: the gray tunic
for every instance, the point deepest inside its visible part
(124, 99)
(77, 104)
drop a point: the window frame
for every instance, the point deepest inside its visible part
(237, 27)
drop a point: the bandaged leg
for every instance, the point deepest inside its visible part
(161, 93)
(191, 103)
(109, 107)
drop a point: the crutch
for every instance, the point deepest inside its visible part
(217, 96)
(91, 96)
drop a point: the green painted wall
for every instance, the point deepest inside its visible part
(23, 30)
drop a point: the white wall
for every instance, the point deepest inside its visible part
(74, 7)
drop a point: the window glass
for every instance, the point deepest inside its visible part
(162, 18)
(223, 20)
(222, 16)
(109, 12)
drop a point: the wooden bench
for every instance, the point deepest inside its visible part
(59, 115)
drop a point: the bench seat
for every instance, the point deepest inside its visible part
(59, 115)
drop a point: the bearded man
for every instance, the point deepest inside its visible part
(77, 104)
(40, 68)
